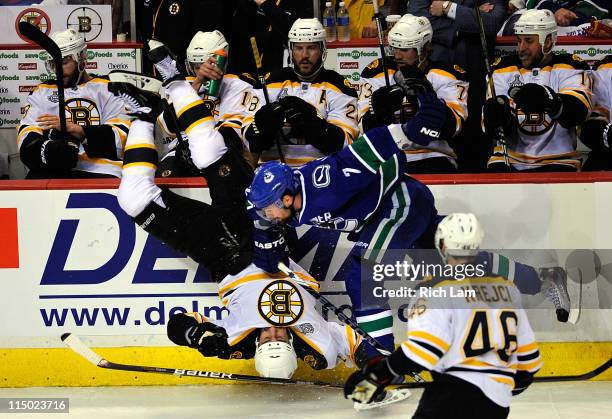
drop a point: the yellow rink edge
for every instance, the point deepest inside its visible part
(39, 367)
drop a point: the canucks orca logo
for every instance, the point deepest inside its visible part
(280, 303)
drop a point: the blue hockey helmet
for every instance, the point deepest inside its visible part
(272, 181)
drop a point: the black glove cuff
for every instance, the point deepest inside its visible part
(327, 137)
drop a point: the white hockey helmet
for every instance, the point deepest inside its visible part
(411, 32)
(461, 234)
(275, 359)
(308, 30)
(71, 44)
(537, 22)
(204, 45)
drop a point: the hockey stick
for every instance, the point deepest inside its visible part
(344, 318)
(501, 136)
(574, 314)
(381, 40)
(550, 379)
(35, 35)
(80, 348)
(262, 82)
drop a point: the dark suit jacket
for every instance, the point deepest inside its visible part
(454, 40)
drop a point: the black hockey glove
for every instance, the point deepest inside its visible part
(533, 98)
(209, 339)
(497, 114)
(386, 101)
(60, 150)
(426, 126)
(412, 80)
(268, 121)
(298, 113)
(365, 385)
(596, 134)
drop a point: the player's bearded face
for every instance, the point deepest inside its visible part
(405, 56)
(275, 214)
(306, 57)
(529, 50)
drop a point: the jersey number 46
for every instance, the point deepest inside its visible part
(484, 327)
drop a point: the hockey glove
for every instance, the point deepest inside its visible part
(386, 101)
(596, 134)
(533, 98)
(60, 150)
(498, 114)
(209, 339)
(427, 124)
(298, 113)
(270, 248)
(261, 133)
(365, 385)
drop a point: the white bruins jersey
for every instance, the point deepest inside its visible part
(256, 299)
(483, 340)
(89, 103)
(235, 105)
(448, 82)
(334, 98)
(602, 88)
(540, 140)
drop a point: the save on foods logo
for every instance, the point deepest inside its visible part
(34, 17)
(357, 54)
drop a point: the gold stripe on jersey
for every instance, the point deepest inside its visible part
(141, 164)
(504, 380)
(429, 338)
(584, 96)
(442, 73)
(532, 366)
(139, 145)
(353, 341)
(350, 131)
(198, 122)
(471, 362)
(197, 316)
(189, 106)
(241, 336)
(380, 75)
(420, 356)
(569, 159)
(530, 347)
(24, 132)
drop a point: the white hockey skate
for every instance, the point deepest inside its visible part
(389, 397)
(554, 287)
(164, 62)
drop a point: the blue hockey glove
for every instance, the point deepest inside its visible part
(270, 248)
(427, 124)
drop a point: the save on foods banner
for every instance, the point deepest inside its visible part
(73, 260)
(21, 70)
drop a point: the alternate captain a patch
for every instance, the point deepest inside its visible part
(280, 303)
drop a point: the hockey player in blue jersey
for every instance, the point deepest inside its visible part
(362, 190)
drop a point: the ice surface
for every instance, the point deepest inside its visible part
(580, 400)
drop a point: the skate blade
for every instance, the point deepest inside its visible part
(392, 396)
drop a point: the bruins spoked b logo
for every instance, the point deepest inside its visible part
(280, 303)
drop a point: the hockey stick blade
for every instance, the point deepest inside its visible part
(42, 40)
(39, 38)
(550, 379)
(80, 348)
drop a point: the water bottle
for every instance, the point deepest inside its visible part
(342, 27)
(329, 22)
(214, 86)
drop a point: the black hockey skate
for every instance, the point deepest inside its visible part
(139, 103)
(164, 61)
(554, 287)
